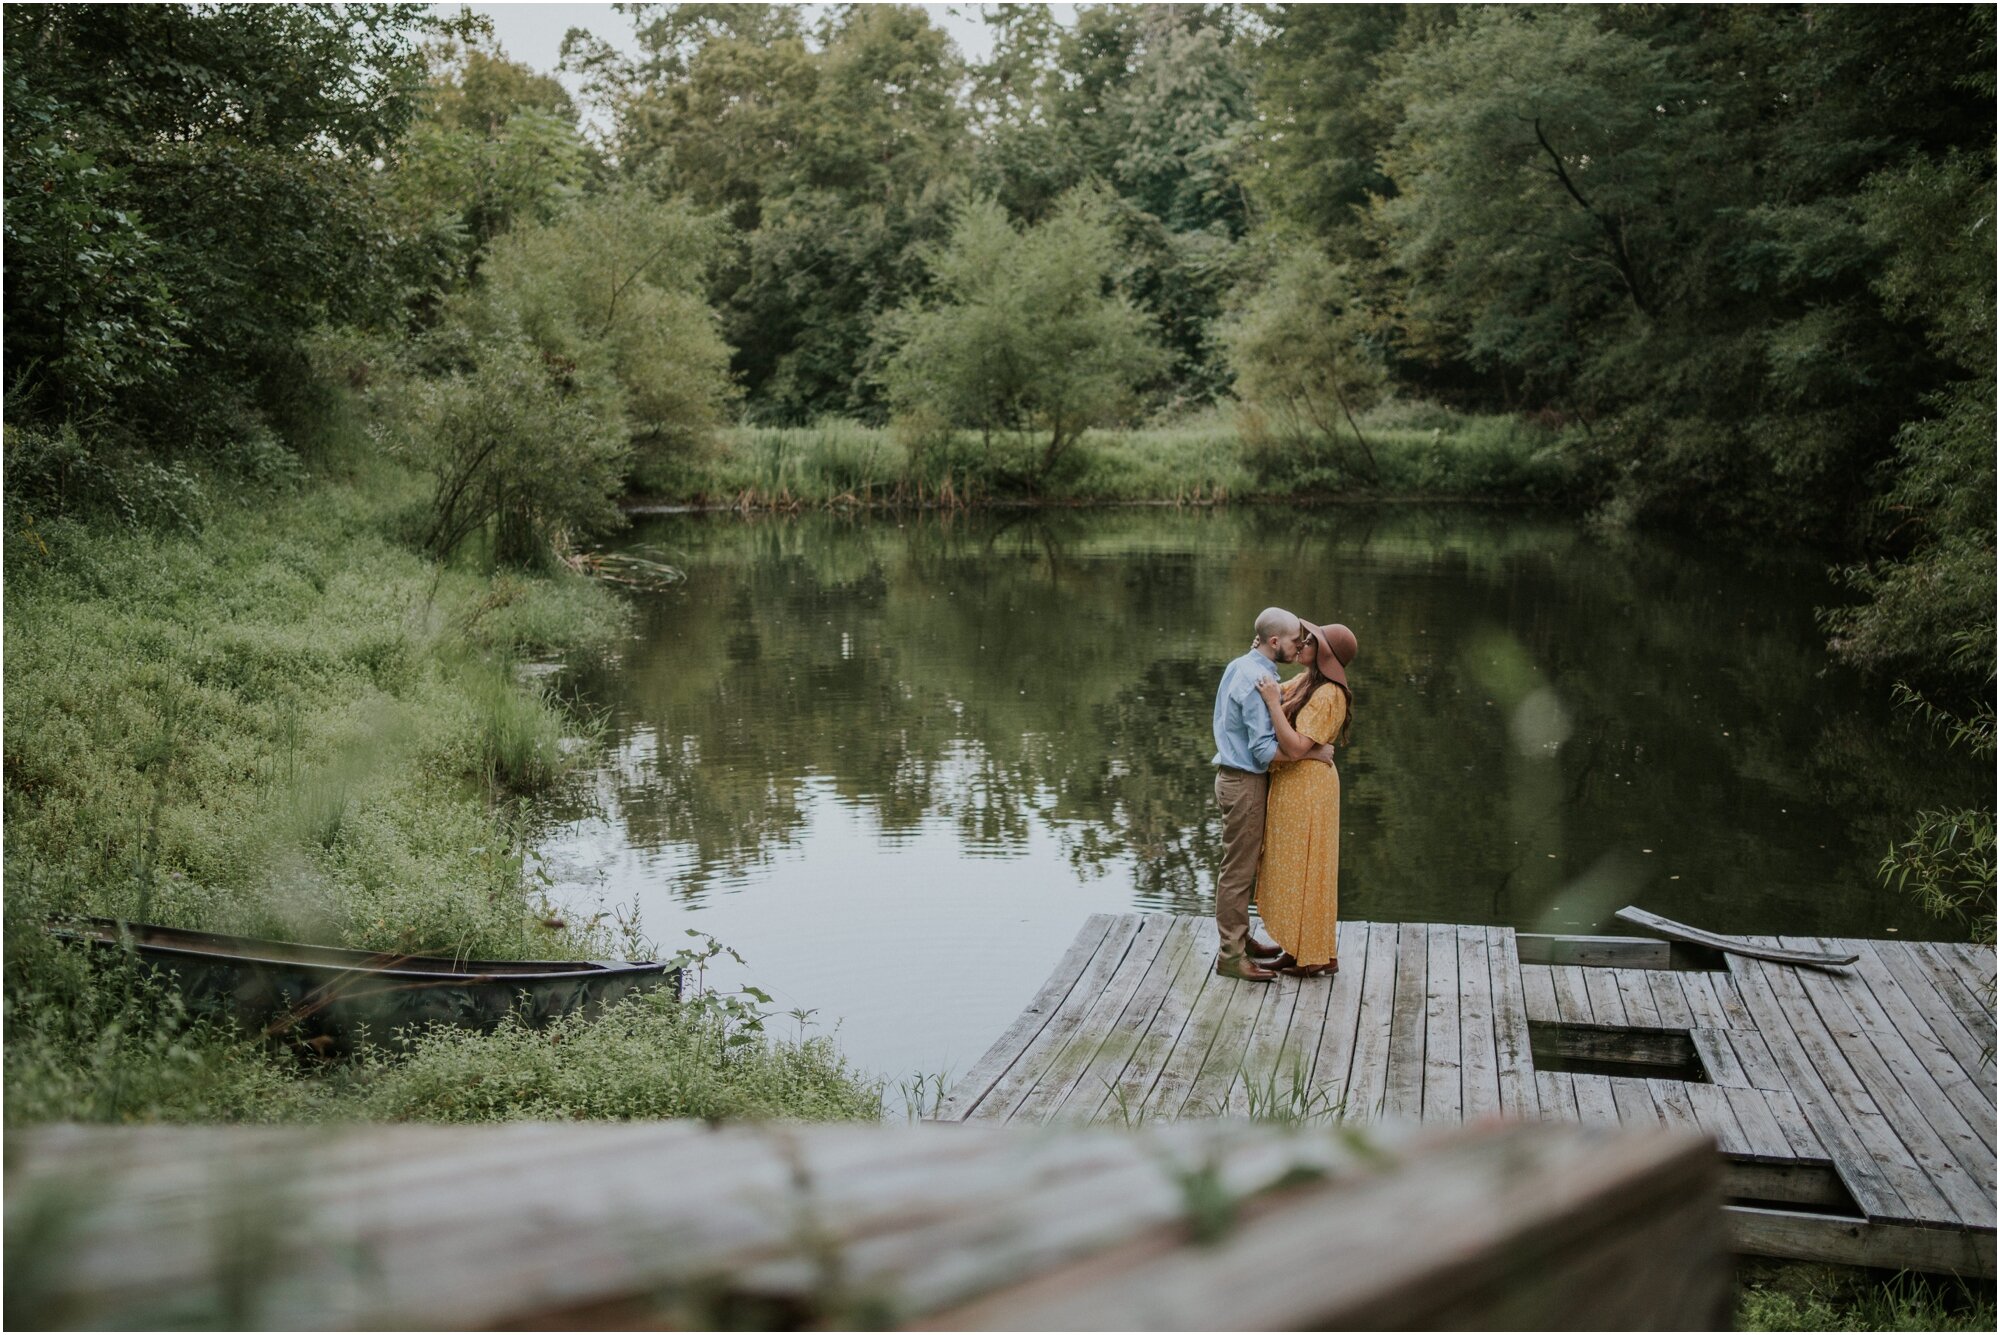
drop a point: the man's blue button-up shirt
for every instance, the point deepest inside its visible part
(1244, 738)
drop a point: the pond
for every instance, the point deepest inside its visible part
(894, 762)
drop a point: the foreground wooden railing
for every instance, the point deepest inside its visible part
(1188, 1226)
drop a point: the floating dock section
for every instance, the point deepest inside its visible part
(1853, 1107)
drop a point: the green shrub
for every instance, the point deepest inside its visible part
(646, 1057)
(1787, 1295)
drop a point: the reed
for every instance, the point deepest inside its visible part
(1419, 451)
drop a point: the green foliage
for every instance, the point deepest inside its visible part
(270, 727)
(188, 196)
(1931, 612)
(830, 165)
(494, 144)
(290, 726)
(1304, 368)
(1420, 450)
(1788, 1295)
(585, 342)
(1026, 335)
(1151, 104)
(1647, 223)
(511, 445)
(649, 1056)
(611, 293)
(1946, 857)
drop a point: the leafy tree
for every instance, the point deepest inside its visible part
(1152, 104)
(1326, 118)
(1935, 605)
(1301, 349)
(586, 340)
(188, 196)
(831, 164)
(515, 447)
(1027, 334)
(493, 144)
(611, 292)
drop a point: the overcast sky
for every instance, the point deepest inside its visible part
(533, 33)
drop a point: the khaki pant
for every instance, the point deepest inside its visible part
(1241, 796)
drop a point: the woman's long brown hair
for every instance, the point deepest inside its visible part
(1293, 695)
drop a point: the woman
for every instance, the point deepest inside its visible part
(1298, 884)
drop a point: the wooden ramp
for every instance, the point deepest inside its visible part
(1854, 1108)
(682, 1226)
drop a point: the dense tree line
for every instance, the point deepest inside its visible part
(1739, 259)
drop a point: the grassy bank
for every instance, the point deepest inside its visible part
(284, 722)
(1797, 1295)
(1411, 451)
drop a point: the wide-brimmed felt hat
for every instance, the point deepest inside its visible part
(1339, 639)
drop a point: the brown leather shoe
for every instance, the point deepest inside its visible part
(1239, 966)
(1262, 950)
(1312, 970)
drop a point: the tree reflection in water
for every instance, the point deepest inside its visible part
(1661, 719)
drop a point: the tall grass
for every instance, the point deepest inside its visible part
(1418, 450)
(1792, 1295)
(287, 724)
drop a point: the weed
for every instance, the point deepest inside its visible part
(1787, 1295)
(1420, 449)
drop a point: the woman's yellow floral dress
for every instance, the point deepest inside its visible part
(1298, 883)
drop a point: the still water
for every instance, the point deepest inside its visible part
(894, 763)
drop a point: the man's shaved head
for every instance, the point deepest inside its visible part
(1276, 623)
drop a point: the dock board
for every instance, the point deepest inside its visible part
(1867, 1090)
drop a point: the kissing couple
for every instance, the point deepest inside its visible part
(1280, 798)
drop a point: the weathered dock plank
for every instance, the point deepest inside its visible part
(1718, 1057)
(1263, 1083)
(1671, 1102)
(1923, 1119)
(1007, 1049)
(1127, 1099)
(1479, 1057)
(1403, 1094)
(1636, 993)
(1607, 1004)
(1634, 1102)
(1011, 1088)
(1098, 1023)
(1556, 1096)
(1334, 1051)
(1595, 1105)
(1442, 1094)
(915, 1225)
(1871, 1160)
(1572, 995)
(1190, 1051)
(1974, 973)
(1208, 1093)
(1969, 1044)
(1868, 1085)
(1753, 1054)
(1144, 1009)
(1670, 1001)
(1368, 1076)
(1513, 1050)
(1961, 1112)
(1538, 992)
(1888, 1005)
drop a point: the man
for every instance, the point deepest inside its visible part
(1245, 745)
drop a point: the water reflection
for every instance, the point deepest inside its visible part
(835, 718)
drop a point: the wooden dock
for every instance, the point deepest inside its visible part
(1854, 1108)
(684, 1226)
